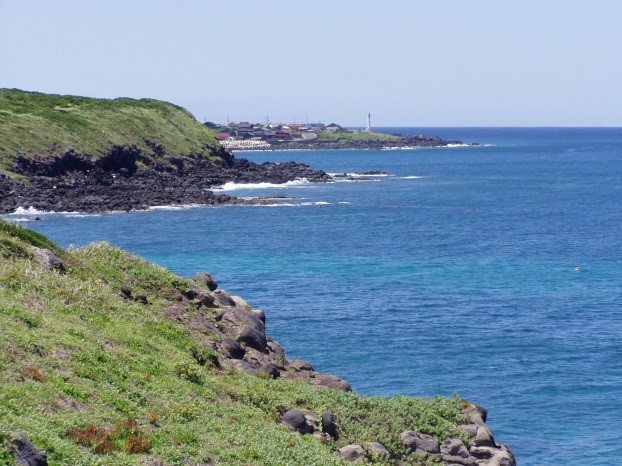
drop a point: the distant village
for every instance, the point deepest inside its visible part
(245, 135)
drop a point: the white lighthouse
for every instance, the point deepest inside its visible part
(368, 129)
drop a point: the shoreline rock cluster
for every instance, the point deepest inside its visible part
(241, 341)
(244, 345)
(127, 179)
(452, 451)
(371, 144)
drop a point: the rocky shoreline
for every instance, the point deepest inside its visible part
(369, 144)
(245, 346)
(127, 179)
(239, 342)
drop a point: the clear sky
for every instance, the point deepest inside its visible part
(408, 62)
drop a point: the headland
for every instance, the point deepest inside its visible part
(66, 153)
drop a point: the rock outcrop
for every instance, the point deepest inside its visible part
(371, 143)
(244, 345)
(452, 451)
(26, 454)
(47, 259)
(241, 341)
(127, 179)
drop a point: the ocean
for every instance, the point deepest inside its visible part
(491, 271)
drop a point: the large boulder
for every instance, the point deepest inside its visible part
(26, 454)
(296, 421)
(318, 379)
(484, 438)
(377, 448)
(329, 426)
(354, 453)
(231, 349)
(477, 415)
(46, 258)
(299, 365)
(418, 441)
(233, 318)
(200, 296)
(454, 447)
(252, 338)
(493, 456)
(205, 279)
(223, 299)
(240, 302)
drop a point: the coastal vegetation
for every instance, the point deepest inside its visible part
(67, 153)
(92, 373)
(33, 123)
(356, 136)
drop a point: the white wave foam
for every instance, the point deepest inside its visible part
(412, 177)
(173, 207)
(316, 203)
(458, 145)
(359, 175)
(232, 186)
(356, 180)
(33, 211)
(30, 211)
(76, 215)
(22, 220)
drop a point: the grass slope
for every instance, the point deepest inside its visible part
(36, 123)
(94, 379)
(351, 136)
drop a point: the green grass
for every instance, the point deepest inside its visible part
(94, 379)
(347, 136)
(44, 124)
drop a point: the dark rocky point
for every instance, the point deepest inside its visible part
(127, 179)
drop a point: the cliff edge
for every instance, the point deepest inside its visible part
(108, 359)
(68, 153)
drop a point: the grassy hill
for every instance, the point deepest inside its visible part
(36, 123)
(95, 378)
(355, 136)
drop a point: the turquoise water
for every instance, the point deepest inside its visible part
(493, 271)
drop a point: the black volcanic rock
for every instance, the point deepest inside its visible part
(126, 179)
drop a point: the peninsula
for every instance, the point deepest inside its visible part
(66, 153)
(80, 154)
(315, 136)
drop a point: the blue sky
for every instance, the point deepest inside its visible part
(409, 63)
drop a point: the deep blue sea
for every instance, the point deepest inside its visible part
(494, 272)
